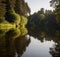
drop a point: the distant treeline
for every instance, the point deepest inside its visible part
(43, 20)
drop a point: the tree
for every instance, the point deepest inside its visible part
(56, 5)
(27, 9)
(11, 16)
(41, 14)
(2, 10)
(21, 7)
(47, 12)
(54, 2)
(57, 12)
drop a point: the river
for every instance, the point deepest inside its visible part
(13, 43)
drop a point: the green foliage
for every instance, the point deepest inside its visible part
(13, 12)
(13, 33)
(42, 20)
(22, 8)
(23, 31)
(1, 20)
(36, 19)
(23, 21)
(2, 11)
(42, 16)
(12, 17)
(27, 9)
(56, 4)
(57, 11)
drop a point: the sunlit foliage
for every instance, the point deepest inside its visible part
(12, 17)
(13, 33)
(23, 21)
(42, 16)
(14, 12)
(23, 31)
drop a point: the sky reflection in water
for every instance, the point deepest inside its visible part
(38, 48)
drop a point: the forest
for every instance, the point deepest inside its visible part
(21, 31)
(16, 13)
(13, 13)
(46, 19)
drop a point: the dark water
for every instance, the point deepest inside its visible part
(13, 43)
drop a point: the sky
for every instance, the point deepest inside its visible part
(36, 5)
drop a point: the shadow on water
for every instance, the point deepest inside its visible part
(12, 43)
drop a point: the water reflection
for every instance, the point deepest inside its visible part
(2, 32)
(49, 35)
(38, 49)
(55, 50)
(20, 44)
(12, 42)
(42, 43)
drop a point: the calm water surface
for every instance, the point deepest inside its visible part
(37, 48)
(13, 43)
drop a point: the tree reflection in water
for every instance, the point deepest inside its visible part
(12, 42)
(21, 43)
(49, 35)
(55, 50)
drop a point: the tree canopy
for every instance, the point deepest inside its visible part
(56, 5)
